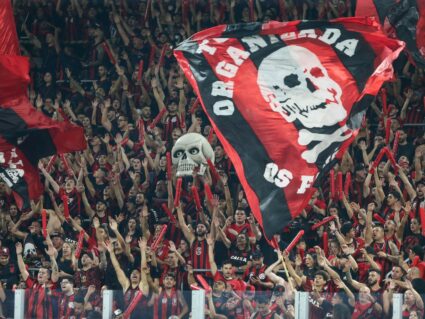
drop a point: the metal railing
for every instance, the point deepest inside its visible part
(301, 305)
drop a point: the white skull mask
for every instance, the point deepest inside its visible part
(29, 250)
(296, 85)
(191, 151)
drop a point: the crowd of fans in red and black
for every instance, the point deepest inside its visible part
(85, 58)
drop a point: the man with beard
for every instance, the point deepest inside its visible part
(103, 81)
(169, 302)
(137, 283)
(405, 148)
(256, 274)
(373, 283)
(197, 242)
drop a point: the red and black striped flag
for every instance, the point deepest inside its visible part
(402, 19)
(286, 100)
(26, 135)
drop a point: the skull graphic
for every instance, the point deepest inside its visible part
(296, 85)
(29, 250)
(191, 151)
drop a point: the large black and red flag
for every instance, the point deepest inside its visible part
(286, 100)
(401, 19)
(26, 135)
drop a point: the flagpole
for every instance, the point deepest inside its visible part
(286, 272)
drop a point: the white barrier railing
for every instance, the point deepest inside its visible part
(198, 304)
(19, 306)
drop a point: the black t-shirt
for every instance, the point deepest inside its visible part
(406, 150)
(9, 274)
(239, 258)
(65, 265)
(111, 279)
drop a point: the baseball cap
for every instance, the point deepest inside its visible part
(4, 251)
(56, 234)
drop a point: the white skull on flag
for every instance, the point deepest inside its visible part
(296, 84)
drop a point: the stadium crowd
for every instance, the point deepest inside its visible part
(109, 67)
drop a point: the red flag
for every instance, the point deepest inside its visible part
(286, 100)
(9, 44)
(402, 19)
(26, 135)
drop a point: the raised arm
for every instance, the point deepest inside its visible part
(271, 275)
(89, 211)
(368, 229)
(122, 278)
(407, 185)
(183, 226)
(52, 253)
(48, 177)
(125, 247)
(106, 123)
(21, 264)
(213, 265)
(298, 280)
(143, 286)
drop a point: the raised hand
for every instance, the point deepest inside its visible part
(107, 244)
(51, 251)
(96, 222)
(172, 246)
(113, 224)
(143, 244)
(19, 248)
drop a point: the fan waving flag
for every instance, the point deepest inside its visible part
(402, 19)
(286, 100)
(26, 135)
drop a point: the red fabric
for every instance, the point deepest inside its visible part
(9, 44)
(366, 8)
(238, 285)
(24, 131)
(166, 306)
(275, 205)
(244, 228)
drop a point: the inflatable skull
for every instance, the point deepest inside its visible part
(191, 151)
(296, 85)
(29, 250)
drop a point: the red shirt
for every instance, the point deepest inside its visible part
(37, 301)
(238, 285)
(244, 228)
